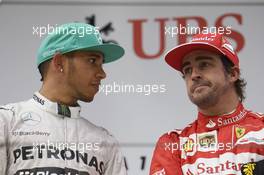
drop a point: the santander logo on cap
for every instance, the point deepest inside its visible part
(227, 45)
(217, 40)
(203, 39)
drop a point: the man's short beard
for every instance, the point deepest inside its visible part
(211, 98)
(205, 102)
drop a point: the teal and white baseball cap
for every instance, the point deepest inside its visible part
(77, 36)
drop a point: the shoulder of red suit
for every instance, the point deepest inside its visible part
(178, 132)
(257, 115)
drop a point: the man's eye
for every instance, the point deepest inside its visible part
(187, 71)
(92, 60)
(204, 65)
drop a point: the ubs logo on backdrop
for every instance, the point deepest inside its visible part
(144, 31)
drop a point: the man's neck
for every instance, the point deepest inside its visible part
(57, 95)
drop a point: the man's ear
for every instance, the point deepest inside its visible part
(234, 74)
(58, 62)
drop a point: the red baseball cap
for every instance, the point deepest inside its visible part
(211, 42)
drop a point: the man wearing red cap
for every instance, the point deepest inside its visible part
(225, 135)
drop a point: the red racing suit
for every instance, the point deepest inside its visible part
(211, 145)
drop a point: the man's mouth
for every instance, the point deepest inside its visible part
(199, 86)
(96, 85)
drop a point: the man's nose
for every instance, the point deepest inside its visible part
(101, 73)
(196, 74)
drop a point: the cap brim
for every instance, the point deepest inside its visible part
(175, 56)
(111, 52)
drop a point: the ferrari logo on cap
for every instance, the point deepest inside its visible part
(227, 45)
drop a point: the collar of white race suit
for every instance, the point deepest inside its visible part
(56, 108)
(214, 122)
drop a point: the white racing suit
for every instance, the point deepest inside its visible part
(40, 137)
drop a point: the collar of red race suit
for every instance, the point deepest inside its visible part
(214, 122)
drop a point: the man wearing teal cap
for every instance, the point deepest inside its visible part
(46, 134)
